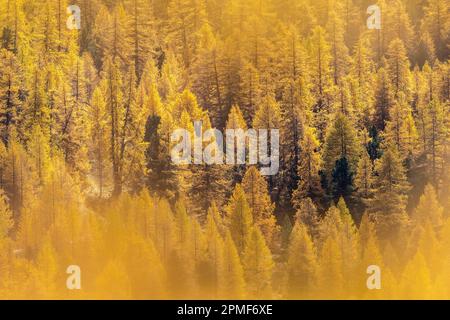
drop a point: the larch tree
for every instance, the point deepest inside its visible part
(162, 177)
(417, 267)
(437, 139)
(268, 114)
(186, 18)
(39, 152)
(321, 78)
(341, 154)
(401, 129)
(99, 143)
(239, 218)
(256, 191)
(390, 194)
(126, 129)
(233, 274)
(6, 221)
(397, 24)
(113, 277)
(339, 51)
(349, 244)
(429, 209)
(363, 178)
(384, 98)
(302, 263)
(308, 168)
(435, 22)
(258, 265)
(142, 35)
(268, 117)
(47, 268)
(142, 260)
(369, 251)
(112, 36)
(362, 77)
(17, 181)
(308, 215)
(331, 279)
(11, 86)
(296, 102)
(236, 121)
(214, 259)
(12, 18)
(250, 90)
(207, 82)
(398, 69)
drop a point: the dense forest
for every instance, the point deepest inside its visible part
(86, 177)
